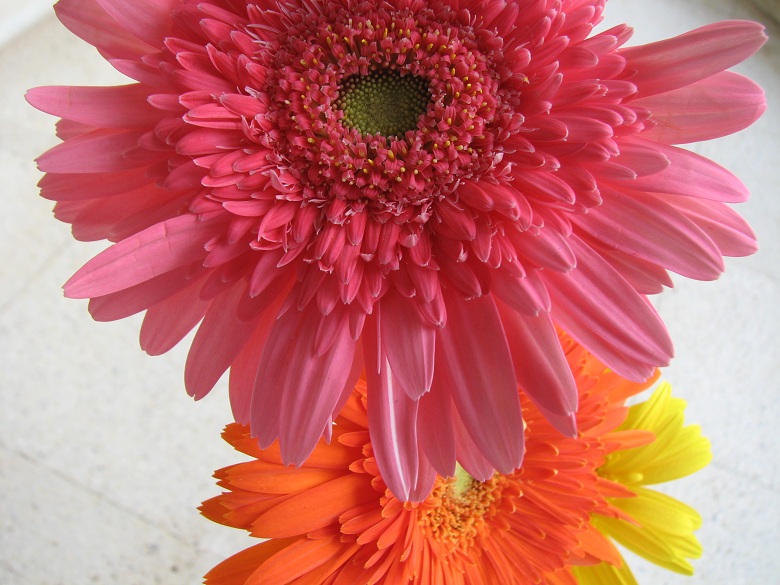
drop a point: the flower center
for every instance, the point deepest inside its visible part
(463, 482)
(383, 102)
(463, 505)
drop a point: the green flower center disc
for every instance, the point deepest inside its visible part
(383, 102)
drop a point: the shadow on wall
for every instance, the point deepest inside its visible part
(770, 7)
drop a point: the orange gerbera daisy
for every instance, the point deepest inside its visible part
(333, 521)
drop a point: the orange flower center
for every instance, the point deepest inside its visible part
(460, 507)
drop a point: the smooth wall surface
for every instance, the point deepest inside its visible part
(103, 457)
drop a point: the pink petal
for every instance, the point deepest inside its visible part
(358, 367)
(692, 175)
(646, 278)
(541, 367)
(408, 342)
(600, 310)
(470, 456)
(329, 330)
(426, 478)
(139, 71)
(470, 277)
(122, 106)
(392, 420)
(313, 386)
(99, 151)
(265, 271)
(434, 313)
(149, 20)
(687, 58)
(87, 20)
(296, 390)
(206, 141)
(269, 378)
(476, 195)
(167, 322)
(543, 185)
(454, 222)
(81, 186)
(731, 234)
(67, 129)
(435, 429)
(200, 80)
(136, 221)
(243, 370)
(650, 229)
(130, 301)
(716, 106)
(220, 338)
(486, 396)
(154, 251)
(528, 295)
(124, 215)
(425, 280)
(584, 129)
(641, 157)
(545, 248)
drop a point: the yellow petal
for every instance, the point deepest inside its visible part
(663, 549)
(659, 512)
(604, 574)
(676, 452)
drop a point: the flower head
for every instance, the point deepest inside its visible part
(412, 188)
(551, 521)
(662, 526)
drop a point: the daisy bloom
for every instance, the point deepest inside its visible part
(333, 521)
(418, 189)
(655, 526)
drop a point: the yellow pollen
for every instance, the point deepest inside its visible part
(461, 507)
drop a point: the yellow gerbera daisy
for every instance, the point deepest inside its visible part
(663, 526)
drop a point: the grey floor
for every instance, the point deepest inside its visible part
(103, 458)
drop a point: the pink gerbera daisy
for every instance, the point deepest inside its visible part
(419, 189)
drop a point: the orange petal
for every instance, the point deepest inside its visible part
(296, 560)
(269, 478)
(239, 567)
(315, 508)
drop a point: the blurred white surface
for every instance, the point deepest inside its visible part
(17, 17)
(103, 458)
